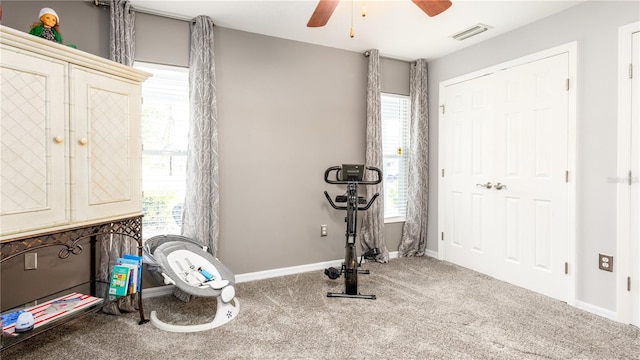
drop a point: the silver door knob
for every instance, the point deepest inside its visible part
(488, 185)
(500, 186)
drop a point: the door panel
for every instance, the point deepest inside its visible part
(532, 108)
(33, 137)
(511, 128)
(106, 146)
(468, 150)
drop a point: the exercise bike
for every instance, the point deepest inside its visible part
(352, 176)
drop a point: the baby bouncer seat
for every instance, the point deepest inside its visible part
(186, 264)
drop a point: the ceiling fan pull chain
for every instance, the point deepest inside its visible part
(351, 32)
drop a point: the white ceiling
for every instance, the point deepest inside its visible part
(397, 28)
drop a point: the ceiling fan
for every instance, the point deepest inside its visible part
(325, 8)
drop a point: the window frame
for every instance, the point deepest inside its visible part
(403, 158)
(174, 151)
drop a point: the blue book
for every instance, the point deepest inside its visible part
(138, 260)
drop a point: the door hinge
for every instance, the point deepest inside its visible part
(628, 283)
(567, 84)
(630, 178)
(141, 100)
(442, 107)
(566, 176)
(566, 268)
(442, 235)
(442, 172)
(630, 71)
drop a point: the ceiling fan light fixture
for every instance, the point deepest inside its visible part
(472, 31)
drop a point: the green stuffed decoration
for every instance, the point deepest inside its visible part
(47, 28)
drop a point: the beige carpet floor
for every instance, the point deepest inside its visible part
(425, 309)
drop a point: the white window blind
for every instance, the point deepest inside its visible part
(395, 148)
(165, 126)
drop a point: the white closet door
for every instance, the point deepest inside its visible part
(467, 145)
(531, 163)
(33, 171)
(504, 195)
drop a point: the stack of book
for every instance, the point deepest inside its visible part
(126, 276)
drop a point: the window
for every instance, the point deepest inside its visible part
(395, 149)
(165, 126)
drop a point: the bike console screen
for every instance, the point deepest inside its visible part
(352, 172)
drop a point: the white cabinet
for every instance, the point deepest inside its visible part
(70, 137)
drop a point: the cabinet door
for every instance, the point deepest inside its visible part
(106, 147)
(33, 164)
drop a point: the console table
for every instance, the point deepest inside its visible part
(72, 241)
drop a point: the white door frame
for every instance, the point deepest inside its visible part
(571, 50)
(624, 160)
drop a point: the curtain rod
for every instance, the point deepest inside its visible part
(147, 11)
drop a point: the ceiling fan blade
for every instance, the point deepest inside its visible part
(433, 7)
(322, 13)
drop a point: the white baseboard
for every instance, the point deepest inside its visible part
(260, 275)
(157, 291)
(266, 274)
(609, 314)
(431, 253)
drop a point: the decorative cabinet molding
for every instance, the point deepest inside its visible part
(70, 135)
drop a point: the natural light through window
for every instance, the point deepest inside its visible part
(395, 147)
(165, 126)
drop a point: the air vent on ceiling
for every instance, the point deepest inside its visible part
(472, 31)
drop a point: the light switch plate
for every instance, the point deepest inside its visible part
(30, 261)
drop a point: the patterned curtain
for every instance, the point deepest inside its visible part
(372, 230)
(122, 32)
(200, 218)
(414, 233)
(114, 246)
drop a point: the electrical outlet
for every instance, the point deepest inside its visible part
(605, 262)
(323, 230)
(30, 261)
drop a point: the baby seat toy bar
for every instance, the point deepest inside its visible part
(187, 265)
(352, 176)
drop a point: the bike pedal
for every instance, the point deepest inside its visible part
(371, 254)
(332, 273)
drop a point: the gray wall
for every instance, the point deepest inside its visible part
(594, 25)
(81, 23)
(286, 110)
(172, 49)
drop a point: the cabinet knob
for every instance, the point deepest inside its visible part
(83, 141)
(58, 139)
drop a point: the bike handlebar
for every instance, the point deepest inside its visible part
(366, 207)
(337, 170)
